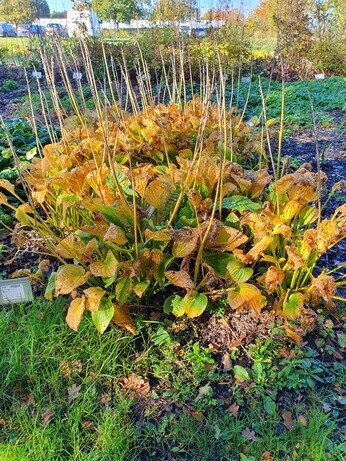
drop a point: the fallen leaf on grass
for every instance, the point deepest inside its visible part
(249, 434)
(267, 456)
(135, 386)
(47, 416)
(86, 424)
(27, 401)
(288, 420)
(302, 420)
(105, 399)
(73, 393)
(204, 390)
(198, 415)
(69, 367)
(233, 409)
(327, 408)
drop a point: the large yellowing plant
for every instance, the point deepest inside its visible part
(134, 204)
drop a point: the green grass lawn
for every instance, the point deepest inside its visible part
(13, 49)
(63, 395)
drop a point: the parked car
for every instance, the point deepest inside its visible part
(199, 32)
(6, 30)
(57, 30)
(23, 30)
(30, 30)
(35, 29)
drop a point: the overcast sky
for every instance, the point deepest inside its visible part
(246, 5)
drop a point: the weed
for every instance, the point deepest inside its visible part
(10, 85)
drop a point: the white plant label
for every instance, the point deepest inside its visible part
(15, 291)
(77, 75)
(37, 74)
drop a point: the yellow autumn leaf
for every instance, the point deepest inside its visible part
(149, 260)
(115, 234)
(98, 230)
(39, 196)
(296, 337)
(162, 235)
(70, 277)
(106, 268)
(246, 295)
(194, 304)
(3, 199)
(70, 247)
(7, 185)
(75, 313)
(184, 246)
(273, 277)
(22, 216)
(157, 194)
(93, 298)
(227, 238)
(180, 279)
(259, 247)
(122, 318)
(290, 210)
(294, 260)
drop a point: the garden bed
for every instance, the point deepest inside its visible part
(227, 385)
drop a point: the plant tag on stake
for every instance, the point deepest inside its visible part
(15, 291)
(77, 76)
(36, 74)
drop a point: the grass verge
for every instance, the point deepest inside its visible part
(80, 396)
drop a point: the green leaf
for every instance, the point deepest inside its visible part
(31, 153)
(107, 281)
(269, 405)
(194, 304)
(123, 290)
(48, 294)
(140, 287)
(160, 337)
(177, 306)
(241, 373)
(174, 305)
(102, 317)
(257, 369)
(240, 203)
(218, 262)
(341, 340)
(232, 218)
(6, 153)
(293, 306)
(239, 272)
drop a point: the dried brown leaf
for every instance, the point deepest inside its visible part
(180, 279)
(47, 416)
(288, 419)
(249, 434)
(73, 393)
(233, 409)
(136, 386)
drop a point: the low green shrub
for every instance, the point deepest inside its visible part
(329, 56)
